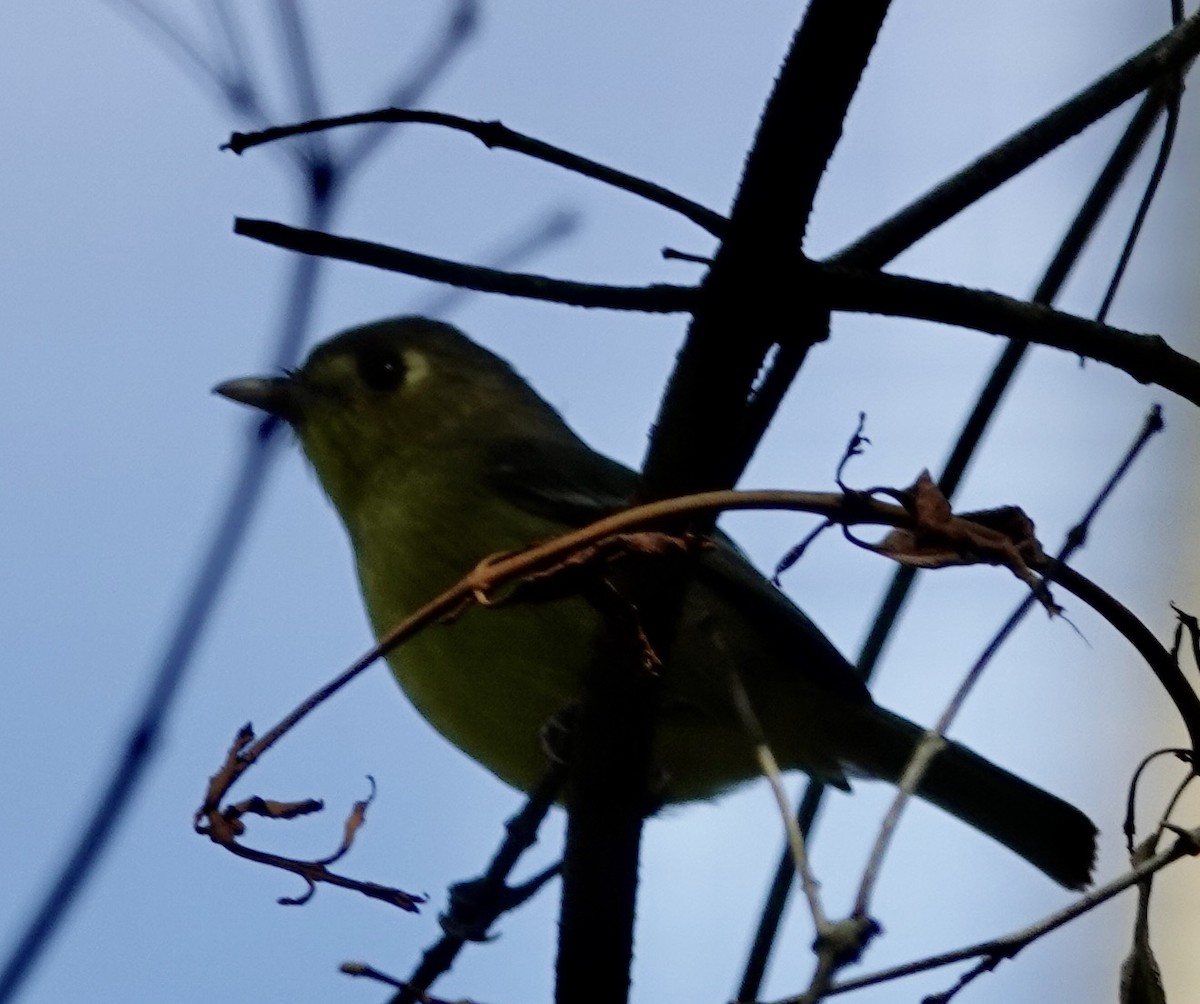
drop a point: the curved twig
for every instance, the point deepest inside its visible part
(496, 135)
(1140, 637)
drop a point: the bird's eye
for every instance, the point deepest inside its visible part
(381, 369)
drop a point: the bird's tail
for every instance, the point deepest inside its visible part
(1047, 832)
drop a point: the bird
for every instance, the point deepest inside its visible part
(436, 454)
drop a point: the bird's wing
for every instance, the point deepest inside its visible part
(566, 482)
(785, 631)
(731, 612)
(560, 480)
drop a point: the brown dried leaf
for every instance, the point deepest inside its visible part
(356, 819)
(939, 538)
(271, 809)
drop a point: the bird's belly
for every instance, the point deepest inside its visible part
(492, 679)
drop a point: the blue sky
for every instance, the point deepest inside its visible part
(126, 297)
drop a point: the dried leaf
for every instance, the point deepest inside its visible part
(271, 809)
(940, 538)
(355, 820)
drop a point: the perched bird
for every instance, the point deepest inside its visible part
(436, 454)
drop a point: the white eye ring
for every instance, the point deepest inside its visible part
(416, 367)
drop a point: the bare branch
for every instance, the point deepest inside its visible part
(1161, 59)
(1146, 358)
(1140, 637)
(491, 892)
(496, 135)
(656, 299)
(770, 770)
(1007, 946)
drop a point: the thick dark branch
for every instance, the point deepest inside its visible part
(802, 123)
(496, 135)
(657, 299)
(1157, 61)
(710, 422)
(1146, 358)
(703, 437)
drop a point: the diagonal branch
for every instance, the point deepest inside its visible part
(1146, 358)
(655, 299)
(459, 28)
(1007, 946)
(703, 436)
(1159, 60)
(1156, 656)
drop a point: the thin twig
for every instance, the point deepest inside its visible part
(930, 744)
(769, 767)
(933, 741)
(1172, 91)
(1129, 827)
(491, 899)
(1192, 626)
(1007, 946)
(298, 61)
(484, 581)
(655, 299)
(1160, 59)
(1164, 822)
(496, 135)
(191, 60)
(362, 969)
(1146, 358)
(1141, 637)
(240, 68)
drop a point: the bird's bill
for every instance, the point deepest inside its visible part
(276, 396)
